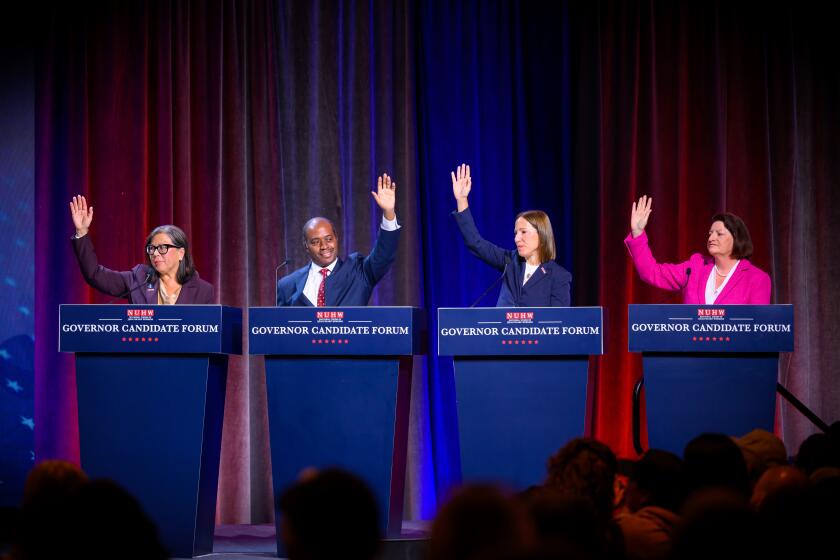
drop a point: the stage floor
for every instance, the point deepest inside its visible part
(244, 542)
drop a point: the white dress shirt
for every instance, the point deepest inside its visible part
(530, 269)
(711, 292)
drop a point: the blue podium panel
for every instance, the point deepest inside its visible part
(152, 420)
(521, 377)
(709, 368)
(338, 382)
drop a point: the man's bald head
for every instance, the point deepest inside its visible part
(320, 241)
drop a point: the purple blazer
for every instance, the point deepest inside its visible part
(116, 283)
(748, 284)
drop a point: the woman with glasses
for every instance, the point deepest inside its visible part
(167, 278)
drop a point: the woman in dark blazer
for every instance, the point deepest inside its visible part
(531, 277)
(167, 278)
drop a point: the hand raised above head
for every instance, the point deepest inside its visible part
(81, 214)
(461, 186)
(639, 215)
(386, 195)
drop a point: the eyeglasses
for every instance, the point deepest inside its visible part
(161, 249)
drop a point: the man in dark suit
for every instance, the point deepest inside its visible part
(330, 281)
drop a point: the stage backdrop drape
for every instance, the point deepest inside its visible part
(161, 112)
(238, 120)
(708, 107)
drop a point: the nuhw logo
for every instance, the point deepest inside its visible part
(519, 316)
(140, 312)
(329, 315)
(711, 312)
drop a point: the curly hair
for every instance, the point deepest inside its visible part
(584, 468)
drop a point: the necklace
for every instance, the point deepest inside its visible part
(719, 273)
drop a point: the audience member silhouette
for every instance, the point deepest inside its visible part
(761, 450)
(329, 515)
(716, 460)
(585, 468)
(655, 492)
(566, 527)
(718, 523)
(481, 523)
(109, 523)
(48, 505)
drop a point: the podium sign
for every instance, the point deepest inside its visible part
(519, 331)
(150, 329)
(709, 368)
(711, 328)
(521, 377)
(151, 393)
(346, 331)
(338, 382)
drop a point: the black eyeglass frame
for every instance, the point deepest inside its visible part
(162, 249)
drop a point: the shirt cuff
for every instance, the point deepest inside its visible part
(390, 225)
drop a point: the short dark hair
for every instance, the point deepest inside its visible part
(715, 460)
(186, 269)
(336, 503)
(311, 221)
(480, 522)
(660, 476)
(742, 246)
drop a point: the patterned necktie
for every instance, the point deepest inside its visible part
(322, 289)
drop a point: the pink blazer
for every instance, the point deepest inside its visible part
(749, 284)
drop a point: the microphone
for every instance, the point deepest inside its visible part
(496, 281)
(672, 294)
(149, 279)
(276, 279)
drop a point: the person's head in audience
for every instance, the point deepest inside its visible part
(50, 481)
(778, 481)
(49, 501)
(761, 450)
(331, 514)
(584, 468)
(657, 479)
(824, 506)
(110, 523)
(716, 460)
(718, 523)
(480, 522)
(565, 526)
(817, 451)
(781, 499)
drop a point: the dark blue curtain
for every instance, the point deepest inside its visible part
(493, 93)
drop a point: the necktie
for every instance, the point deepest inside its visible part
(322, 289)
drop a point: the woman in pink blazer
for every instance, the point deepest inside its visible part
(725, 276)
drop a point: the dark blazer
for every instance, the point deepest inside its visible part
(352, 280)
(548, 287)
(116, 283)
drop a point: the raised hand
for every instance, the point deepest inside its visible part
(386, 196)
(639, 215)
(82, 215)
(461, 186)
